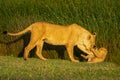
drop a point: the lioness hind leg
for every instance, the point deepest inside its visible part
(27, 50)
(70, 53)
(33, 40)
(39, 50)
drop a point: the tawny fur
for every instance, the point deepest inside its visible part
(69, 36)
(99, 55)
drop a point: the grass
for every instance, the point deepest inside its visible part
(12, 68)
(100, 16)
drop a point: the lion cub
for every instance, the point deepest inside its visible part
(99, 55)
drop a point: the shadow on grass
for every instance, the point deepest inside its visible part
(60, 50)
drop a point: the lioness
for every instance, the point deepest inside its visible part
(70, 36)
(100, 55)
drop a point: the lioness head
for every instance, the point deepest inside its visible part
(91, 41)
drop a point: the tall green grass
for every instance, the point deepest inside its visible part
(100, 16)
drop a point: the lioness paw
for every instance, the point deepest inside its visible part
(75, 60)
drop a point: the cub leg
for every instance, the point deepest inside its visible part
(89, 57)
(70, 53)
(89, 52)
(85, 57)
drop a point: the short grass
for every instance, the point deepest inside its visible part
(12, 68)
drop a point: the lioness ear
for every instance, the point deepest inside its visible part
(94, 34)
(95, 47)
(89, 37)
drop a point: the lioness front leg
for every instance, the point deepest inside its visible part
(70, 53)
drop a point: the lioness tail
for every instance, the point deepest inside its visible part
(19, 33)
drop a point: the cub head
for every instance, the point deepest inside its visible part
(103, 50)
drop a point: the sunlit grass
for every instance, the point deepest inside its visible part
(16, 68)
